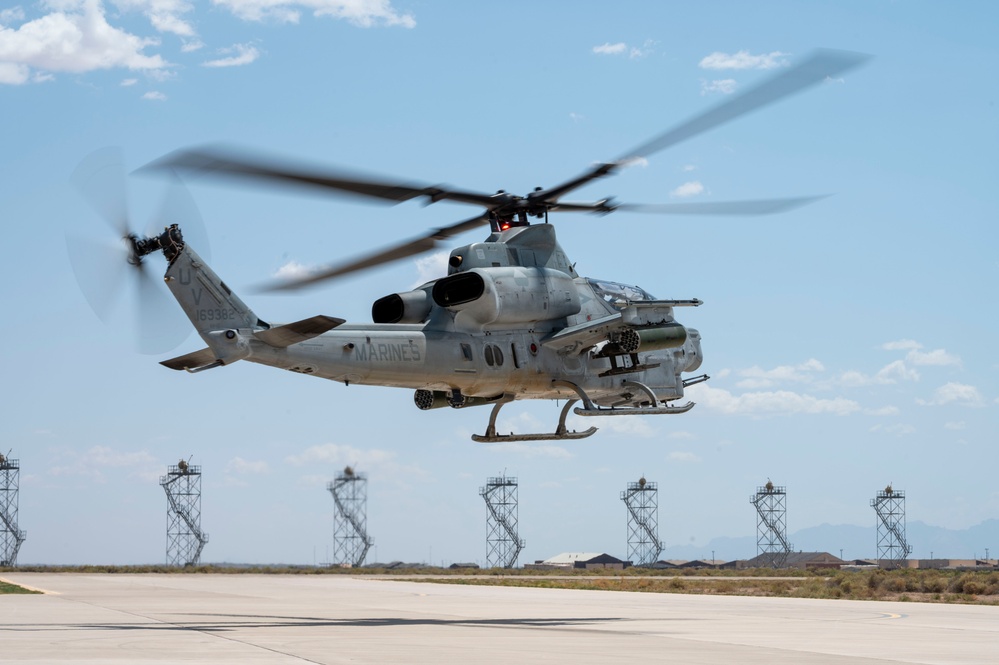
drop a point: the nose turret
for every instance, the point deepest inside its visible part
(692, 350)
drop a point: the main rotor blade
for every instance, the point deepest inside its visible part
(747, 207)
(228, 163)
(409, 248)
(816, 68)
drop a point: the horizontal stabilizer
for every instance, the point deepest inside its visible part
(299, 331)
(191, 360)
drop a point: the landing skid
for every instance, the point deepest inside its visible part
(561, 433)
(591, 409)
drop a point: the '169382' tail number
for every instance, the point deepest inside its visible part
(215, 314)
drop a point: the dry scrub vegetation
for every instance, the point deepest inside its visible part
(939, 586)
(901, 585)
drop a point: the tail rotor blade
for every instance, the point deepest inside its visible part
(100, 269)
(178, 207)
(160, 326)
(100, 178)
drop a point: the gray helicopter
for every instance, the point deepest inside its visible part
(511, 320)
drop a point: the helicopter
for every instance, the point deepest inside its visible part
(511, 320)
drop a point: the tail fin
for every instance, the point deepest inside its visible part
(205, 298)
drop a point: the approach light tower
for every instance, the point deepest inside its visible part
(641, 498)
(772, 547)
(893, 550)
(10, 536)
(350, 521)
(185, 539)
(503, 543)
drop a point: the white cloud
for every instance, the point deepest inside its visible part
(723, 86)
(678, 456)
(772, 403)
(938, 357)
(687, 168)
(11, 15)
(757, 377)
(610, 49)
(891, 373)
(243, 54)
(692, 188)
(293, 270)
(954, 393)
(241, 466)
(576, 117)
(189, 46)
(165, 15)
(744, 60)
(956, 426)
(883, 411)
(363, 13)
(74, 38)
(901, 345)
(95, 461)
(128, 82)
(648, 48)
(430, 267)
(155, 95)
(916, 356)
(381, 463)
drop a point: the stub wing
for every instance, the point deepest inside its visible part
(584, 335)
(638, 314)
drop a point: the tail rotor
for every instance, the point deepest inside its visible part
(104, 269)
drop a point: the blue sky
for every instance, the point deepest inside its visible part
(851, 342)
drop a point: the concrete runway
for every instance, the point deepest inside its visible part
(334, 619)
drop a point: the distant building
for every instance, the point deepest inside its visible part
(697, 563)
(585, 560)
(800, 560)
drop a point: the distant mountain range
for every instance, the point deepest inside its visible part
(858, 542)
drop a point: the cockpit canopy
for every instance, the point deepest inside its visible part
(618, 295)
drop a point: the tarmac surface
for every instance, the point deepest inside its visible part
(337, 619)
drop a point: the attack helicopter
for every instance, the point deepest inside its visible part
(511, 320)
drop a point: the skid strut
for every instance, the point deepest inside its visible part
(561, 433)
(591, 409)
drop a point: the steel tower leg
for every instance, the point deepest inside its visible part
(893, 550)
(185, 539)
(351, 541)
(11, 536)
(772, 547)
(641, 499)
(503, 543)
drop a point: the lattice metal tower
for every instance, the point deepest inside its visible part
(772, 547)
(503, 543)
(185, 539)
(889, 505)
(351, 541)
(10, 536)
(642, 500)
